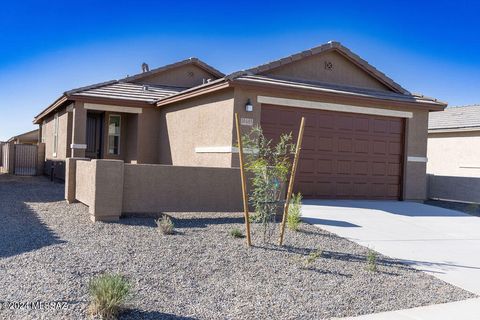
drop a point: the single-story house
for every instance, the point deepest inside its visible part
(454, 154)
(365, 136)
(30, 137)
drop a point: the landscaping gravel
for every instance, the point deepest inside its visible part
(49, 250)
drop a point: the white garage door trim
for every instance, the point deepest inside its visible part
(333, 107)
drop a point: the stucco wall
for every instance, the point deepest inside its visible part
(454, 154)
(64, 133)
(206, 121)
(415, 179)
(156, 188)
(110, 187)
(343, 71)
(85, 182)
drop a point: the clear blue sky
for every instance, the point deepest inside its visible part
(47, 47)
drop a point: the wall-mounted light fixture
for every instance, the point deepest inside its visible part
(248, 106)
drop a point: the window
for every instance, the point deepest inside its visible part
(55, 135)
(114, 134)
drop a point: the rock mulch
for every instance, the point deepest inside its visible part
(49, 250)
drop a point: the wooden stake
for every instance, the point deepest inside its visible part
(292, 178)
(244, 182)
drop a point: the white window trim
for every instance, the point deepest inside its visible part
(55, 135)
(119, 133)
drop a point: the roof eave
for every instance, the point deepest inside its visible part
(432, 105)
(57, 103)
(195, 91)
(459, 129)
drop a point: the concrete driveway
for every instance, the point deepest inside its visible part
(442, 242)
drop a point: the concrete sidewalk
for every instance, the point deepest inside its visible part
(461, 310)
(441, 242)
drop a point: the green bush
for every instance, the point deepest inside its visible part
(294, 212)
(372, 260)
(165, 224)
(108, 293)
(236, 233)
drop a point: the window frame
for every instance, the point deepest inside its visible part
(110, 116)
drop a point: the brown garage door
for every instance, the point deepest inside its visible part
(344, 155)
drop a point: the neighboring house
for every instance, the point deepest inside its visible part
(454, 153)
(30, 137)
(454, 142)
(365, 137)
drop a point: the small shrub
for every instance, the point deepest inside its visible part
(108, 293)
(165, 224)
(294, 212)
(313, 256)
(236, 233)
(371, 260)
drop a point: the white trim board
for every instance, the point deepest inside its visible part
(221, 149)
(111, 108)
(333, 107)
(417, 159)
(78, 146)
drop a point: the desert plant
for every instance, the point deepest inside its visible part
(294, 212)
(269, 165)
(372, 260)
(236, 233)
(108, 293)
(313, 256)
(165, 224)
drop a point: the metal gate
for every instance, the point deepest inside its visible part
(25, 159)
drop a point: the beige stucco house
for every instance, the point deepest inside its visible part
(365, 137)
(454, 154)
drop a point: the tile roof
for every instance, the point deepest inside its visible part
(455, 118)
(127, 91)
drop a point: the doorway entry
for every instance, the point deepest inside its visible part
(94, 135)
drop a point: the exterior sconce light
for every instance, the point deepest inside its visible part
(248, 106)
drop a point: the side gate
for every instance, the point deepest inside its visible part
(26, 157)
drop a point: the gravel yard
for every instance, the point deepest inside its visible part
(49, 250)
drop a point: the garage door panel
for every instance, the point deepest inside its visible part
(394, 148)
(307, 165)
(344, 167)
(325, 143)
(380, 126)
(345, 144)
(325, 166)
(344, 123)
(344, 155)
(325, 121)
(362, 146)
(309, 142)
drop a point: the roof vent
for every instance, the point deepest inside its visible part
(145, 67)
(145, 87)
(209, 80)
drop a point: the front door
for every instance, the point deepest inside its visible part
(94, 135)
